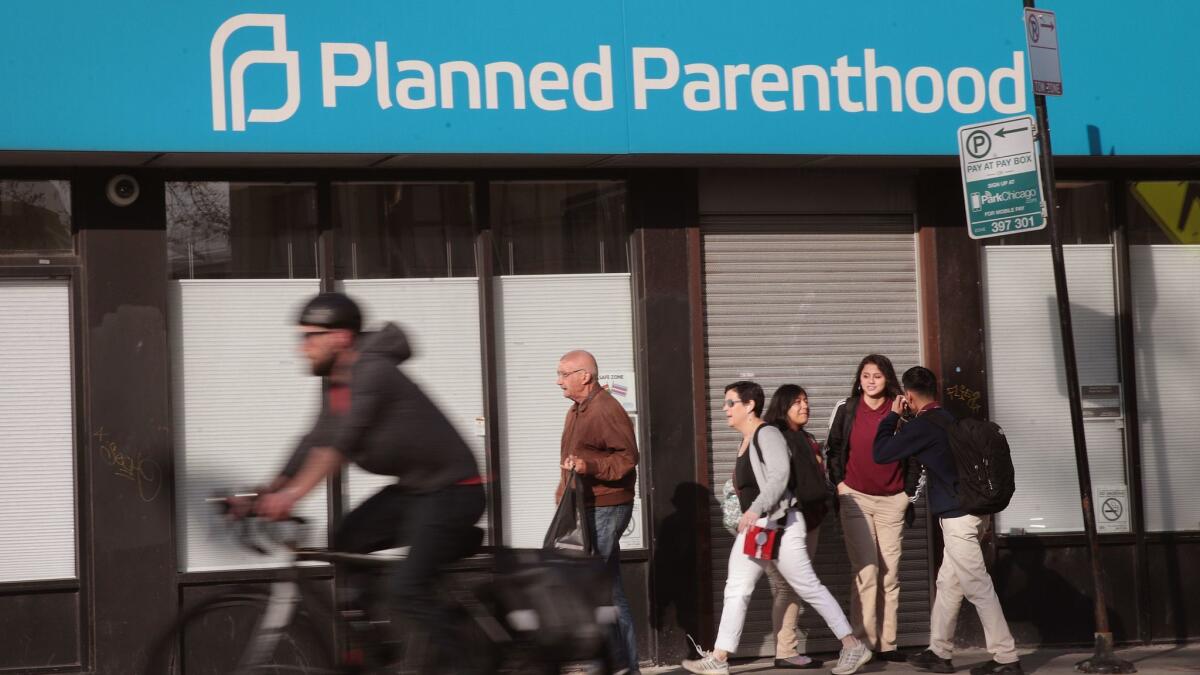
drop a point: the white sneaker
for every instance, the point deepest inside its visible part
(707, 664)
(851, 659)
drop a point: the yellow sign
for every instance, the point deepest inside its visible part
(1174, 205)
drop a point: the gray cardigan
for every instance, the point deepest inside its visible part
(771, 474)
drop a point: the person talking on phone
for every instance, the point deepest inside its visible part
(872, 502)
(963, 574)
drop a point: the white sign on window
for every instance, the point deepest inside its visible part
(1101, 401)
(1112, 508)
(622, 387)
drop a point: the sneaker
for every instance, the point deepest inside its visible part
(852, 658)
(707, 664)
(931, 662)
(994, 668)
(891, 656)
(799, 661)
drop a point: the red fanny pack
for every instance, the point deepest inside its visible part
(762, 542)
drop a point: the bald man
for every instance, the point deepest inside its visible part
(598, 443)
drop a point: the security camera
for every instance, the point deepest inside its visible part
(122, 190)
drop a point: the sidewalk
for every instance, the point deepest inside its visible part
(1154, 660)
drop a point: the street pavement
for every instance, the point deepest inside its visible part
(1152, 660)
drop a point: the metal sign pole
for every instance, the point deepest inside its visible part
(1103, 660)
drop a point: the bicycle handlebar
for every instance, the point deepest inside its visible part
(249, 524)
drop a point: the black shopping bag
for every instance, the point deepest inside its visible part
(569, 530)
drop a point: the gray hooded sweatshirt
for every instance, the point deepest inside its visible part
(392, 428)
(771, 474)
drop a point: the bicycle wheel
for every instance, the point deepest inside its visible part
(215, 636)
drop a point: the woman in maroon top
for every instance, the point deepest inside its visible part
(872, 503)
(788, 411)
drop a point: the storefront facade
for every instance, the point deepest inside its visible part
(695, 197)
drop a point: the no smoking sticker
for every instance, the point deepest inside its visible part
(1112, 508)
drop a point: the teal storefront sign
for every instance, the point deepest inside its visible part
(871, 77)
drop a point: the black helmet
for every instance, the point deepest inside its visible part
(332, 310)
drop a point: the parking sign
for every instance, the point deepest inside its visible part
(1041, 38)
(1002, 185)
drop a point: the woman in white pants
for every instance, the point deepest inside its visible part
(761, 475)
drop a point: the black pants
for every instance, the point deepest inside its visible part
(439, 528)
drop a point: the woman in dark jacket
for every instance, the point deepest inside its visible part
(789, 412)
(873, 501)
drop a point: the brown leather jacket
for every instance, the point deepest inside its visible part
(599, 432)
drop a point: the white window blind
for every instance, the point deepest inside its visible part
(1166, 338)
(1027, 380)
(441, 319)
(540, 318)
(37, 448)
(242, 396)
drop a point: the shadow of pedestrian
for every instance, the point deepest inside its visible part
(675, 571)
(1041, 604)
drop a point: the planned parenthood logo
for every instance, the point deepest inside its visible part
(842, 83)
(278, 54)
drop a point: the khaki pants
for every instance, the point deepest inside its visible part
(874, 531)
(785, 608)
(963, 574)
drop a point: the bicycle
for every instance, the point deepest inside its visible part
(294, 627)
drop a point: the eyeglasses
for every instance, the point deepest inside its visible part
(563, 376)
(730, 402)
(305, 335)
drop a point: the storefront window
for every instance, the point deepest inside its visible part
(1084, 217)
(1027, 389)
(563, 284)
(35, 216)
(404, 230)
(1164, 266)
(406, 254)
(243, 261)
(560, 227)
(242, 230)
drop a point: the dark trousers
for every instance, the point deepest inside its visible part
(608, 524)
(439, 528)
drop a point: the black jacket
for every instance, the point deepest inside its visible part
(837, 448)
(392, 427)
(920, 440)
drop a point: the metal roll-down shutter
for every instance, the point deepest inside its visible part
(802, 299)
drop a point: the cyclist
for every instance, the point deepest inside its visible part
(376, 417)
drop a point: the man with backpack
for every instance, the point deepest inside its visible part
(928, 437)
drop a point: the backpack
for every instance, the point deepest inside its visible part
(986, 480)
(806, 480)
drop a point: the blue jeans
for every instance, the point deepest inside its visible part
(609, 523)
